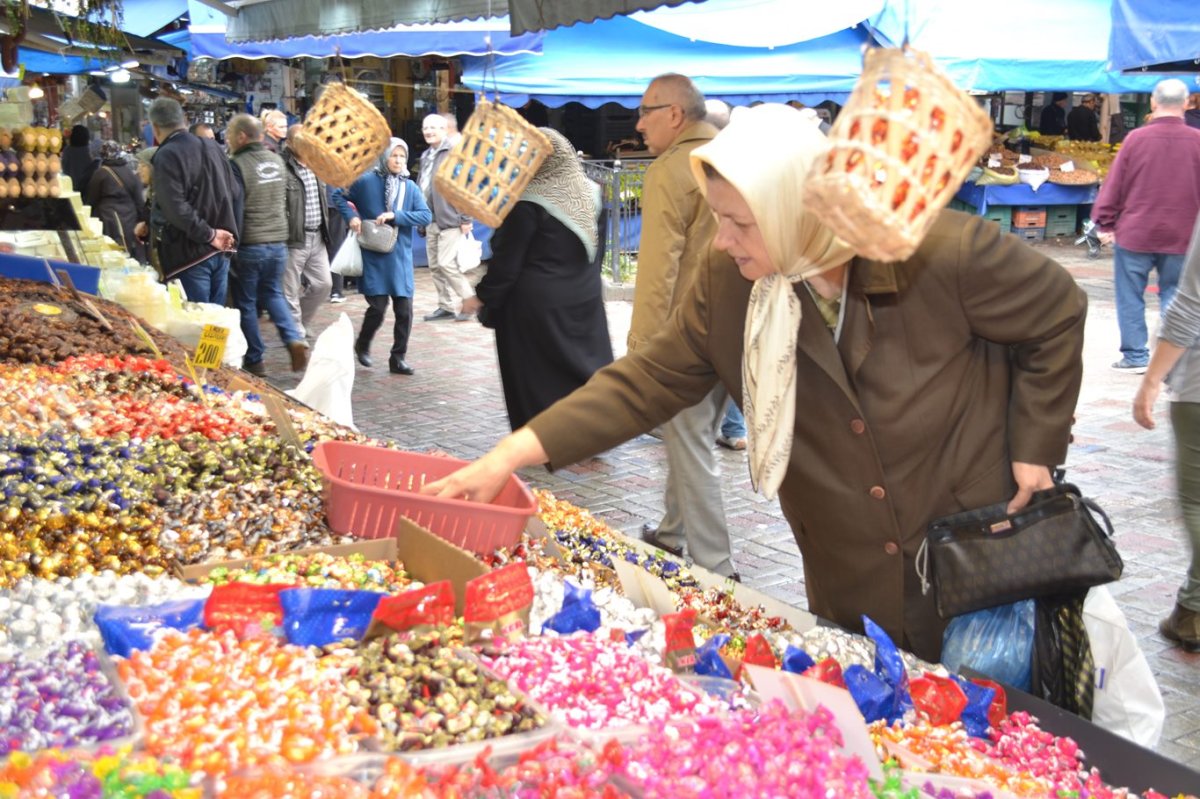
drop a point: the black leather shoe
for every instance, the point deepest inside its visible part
(363, 357)
(258, 368)
(650, 536)
(400, 368)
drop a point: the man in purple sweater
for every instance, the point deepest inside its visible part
(1146, 210)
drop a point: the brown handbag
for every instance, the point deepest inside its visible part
(987, 557)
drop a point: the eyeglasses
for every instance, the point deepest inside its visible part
(646, 109)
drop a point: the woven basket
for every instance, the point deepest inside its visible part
(342, 136)
(901, 148)
(484, 174)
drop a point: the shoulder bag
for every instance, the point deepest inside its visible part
(381, 238)
(987, 557)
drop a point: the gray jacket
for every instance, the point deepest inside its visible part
(264, 180)
(1181, 326)
(444, 214)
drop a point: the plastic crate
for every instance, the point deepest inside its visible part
(1061, 221)
(1000, 214)
(369, 489)
(1026, 216)
(85, 278)
(1030, 233)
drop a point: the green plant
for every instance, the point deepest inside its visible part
(86, 22)
(626, 271)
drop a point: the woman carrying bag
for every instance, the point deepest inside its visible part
(117, 200)
(392, 206)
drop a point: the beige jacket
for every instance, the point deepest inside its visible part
(677, 229)
(950, 366)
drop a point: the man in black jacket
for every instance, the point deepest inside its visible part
(196, 206)
(1054, 116)
(307, 280)
(1082, 122)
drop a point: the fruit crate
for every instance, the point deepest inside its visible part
(1061, 221)
(1000, 214)
(1030, 233)
(368, 489)
(1029, 216)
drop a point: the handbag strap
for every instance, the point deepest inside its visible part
(922, 564)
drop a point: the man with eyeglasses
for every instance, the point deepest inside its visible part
(677, 230)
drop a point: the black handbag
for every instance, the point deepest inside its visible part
(982, 558)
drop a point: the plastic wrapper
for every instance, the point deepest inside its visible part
(499, 603)
(429, 606)
(126, 629)
(975, 715)
(874, 697)
(322, 616)
(939, 699)
(249, 610)
(680, 653)
(579, 612)
(708, 658)
(797, 661)
(827, 671)
(889, 665)
(995, 641)
(759, 652)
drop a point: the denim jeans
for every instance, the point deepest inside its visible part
(207, 281)
(1131, 274)
(258, 280)
(734, 424)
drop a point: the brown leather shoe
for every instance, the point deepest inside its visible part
(299, 352)
(1182, 627)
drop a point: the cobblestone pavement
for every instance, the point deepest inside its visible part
(454, 402)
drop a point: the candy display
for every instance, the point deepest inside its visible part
(594, 683)
(79, 775)
(318, 570)
(63, 699)
(218, 704)
(769, 752)
(425, 696)
(36, 614)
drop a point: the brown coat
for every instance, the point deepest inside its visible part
(950, 365)
(677, 229)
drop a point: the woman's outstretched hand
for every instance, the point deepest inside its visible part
(482, 480)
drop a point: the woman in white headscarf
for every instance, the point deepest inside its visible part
(878, 396)
(386, 196)
(542, 293)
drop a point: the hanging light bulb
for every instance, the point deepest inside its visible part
(36, 92)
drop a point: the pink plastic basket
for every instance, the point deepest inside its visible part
(368, 489)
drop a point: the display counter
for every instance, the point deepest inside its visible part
(1022, 194)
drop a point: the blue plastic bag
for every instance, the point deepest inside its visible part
(127, 629)
(874, 697)
(578, 612)
(889, 667)
(321, 616)
(995, 641)
(979, 702)
(708, 658)
(796, 660)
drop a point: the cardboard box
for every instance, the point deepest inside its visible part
(426, 558)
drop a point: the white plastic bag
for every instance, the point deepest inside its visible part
(347, 262)
(1127, 699)
(469, 252)
(329, 379)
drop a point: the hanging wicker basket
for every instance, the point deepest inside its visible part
(342, 136)
(902, 146)
(484, 174)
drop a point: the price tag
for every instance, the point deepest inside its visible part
(211, 348)
(1024, 159)
(994, 161)
(1068, 166)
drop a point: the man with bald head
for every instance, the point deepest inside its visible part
(448, 226)
(677, 231)
(1146, 208)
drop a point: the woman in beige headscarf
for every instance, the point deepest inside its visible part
(878, 396)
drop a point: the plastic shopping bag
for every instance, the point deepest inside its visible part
(995, 641)
(1127, 700)
(348, 260)
(329, 379)
(469, 253)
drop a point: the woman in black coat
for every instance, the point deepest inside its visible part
(78, 163)
(542, 292)
(117, 199)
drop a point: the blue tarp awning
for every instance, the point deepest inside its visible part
(144, 17)
(1025, 44)
(208, 29)
(36, 61)
(613, 60)
(1146, 33)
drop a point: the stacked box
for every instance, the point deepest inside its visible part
(1000, 214)
(1030, 233)
(1060, 221)
(1029, 216)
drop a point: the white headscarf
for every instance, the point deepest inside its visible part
(766, 153)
